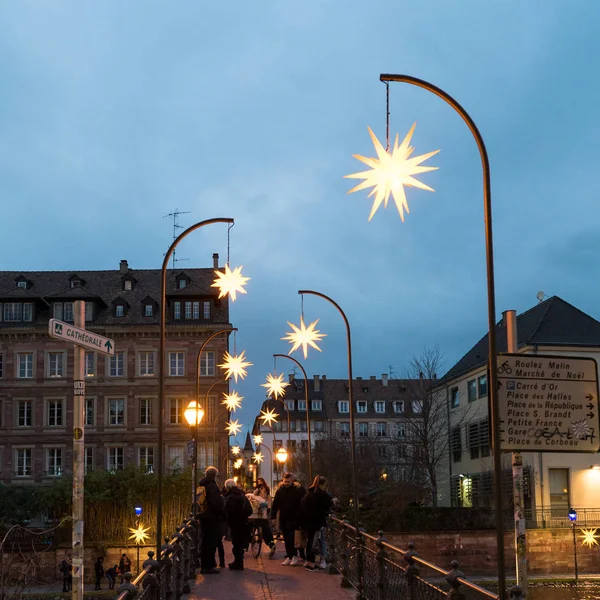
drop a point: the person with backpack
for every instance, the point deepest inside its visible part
(111, 575)
(211, 509)
(237, 509)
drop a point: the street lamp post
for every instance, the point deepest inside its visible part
(161, 372)
(492, 348)
(307, 414)
(138, 514)
(193, 415)
(573, 519)
(350, 401)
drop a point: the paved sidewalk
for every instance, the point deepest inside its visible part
(267, 579)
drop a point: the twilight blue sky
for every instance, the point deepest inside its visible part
(112, 114)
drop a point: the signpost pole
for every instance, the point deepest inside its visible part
(78, 455)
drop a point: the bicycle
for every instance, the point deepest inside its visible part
(256, 540)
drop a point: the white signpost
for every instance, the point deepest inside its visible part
(548, 403)
(82, 337)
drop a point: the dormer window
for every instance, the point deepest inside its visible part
(182, 284)
(119, 310)
(148, 310)
(127, 285)
(75, 283)
(22, 285)
(120, 307)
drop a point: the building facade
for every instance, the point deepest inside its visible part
(121, 405)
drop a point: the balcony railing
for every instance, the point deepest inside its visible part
(559, 518)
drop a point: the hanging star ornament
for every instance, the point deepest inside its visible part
(390, 172)
(235, 450)
(257, 457)
(235, 366)
(304, 336)
(232, 401)
(268, 417)
(230, 282)
(139, 534)
(275, 385)
(258, 439)
(233, 427)
(589, 538)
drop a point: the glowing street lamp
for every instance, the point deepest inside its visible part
(193, 413)
(230, 282)
(281, 455)
(235, 366)
(304, 336)
(275, 385)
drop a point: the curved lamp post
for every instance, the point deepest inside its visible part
(492, 349)
(307, 414)
(161, 362)
(350, 402)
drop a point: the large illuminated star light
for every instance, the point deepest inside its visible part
(235, 366)
(232, 401)
(233, 427)
(589, 538)
(230, 282)
(139, 534)
(258, 439)
(268, 417)
(275, 385)
(235, 450)
(390, 172)
(258, 457)
(304, 336)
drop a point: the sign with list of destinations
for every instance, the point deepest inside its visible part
(548, 403)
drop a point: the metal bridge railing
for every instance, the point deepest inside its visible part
(167, 578)
(377, 570)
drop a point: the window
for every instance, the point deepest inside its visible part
(416, 406)
(343, 406)
(54, 462)
(13, 311)
(177, 407)
(182, 284)
(402, 452)
(177, 310)
(361, 406)
(146, 361)
(206, 310)
(57, 310)
(75, 283)
(482, 385)
(344, 429)
(293, 425)
(176, 364)
(188, 310)
(116, 411)
(127, 285)
(117, 364)
(68, 312)
(89, 311)
(24, 413)
(559, 490)
(302, 425)
(146, 458)
(478, 439)
(88, 461)
(207, 364)
(381, 451)
(302, 405)
(363, 430)
(381, 430)
(379, 406)
(55, 364)
(54, 413)
(90, 364)
(290, 405)
(175, 458)
(27, 311)
(472, 390)
(22, 285)
(400, 431)
(145, 411)
(25, 365)
(115, 459)
(454, 398)
(319, 426)
(316, 405)
(90, 412)
(119, 310)
(398, 406)
(456, 444)
(196, 310)
(23, 462)
(148, 310)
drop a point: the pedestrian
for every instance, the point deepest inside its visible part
(316, 505)
(124, 566)
(65, 568)
(238, 509)
(259, 518)
(286, 503)
(211, 509)
(128, 586)
(111, 576)
(99, 570)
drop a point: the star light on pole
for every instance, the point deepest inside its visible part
(390, 172)
(589, 538)
(235, 450)
(304, 336)
(235, 366)
(258, 439)
(139, 534)
(258, 457)
(268, 417)
(232, 401)
(233, 427)
(230, 282)
(275, 385)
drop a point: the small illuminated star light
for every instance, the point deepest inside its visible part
(230, 282)
(268, 417)
(581, 429)
(589, 538)
(390, 172)
(275, 385)
(258, 439)
(258, 457)
(233, 427)
(238, 463)
(232, 401)
(139, 534)
(304, 336)
(235, 450)
(235, 365)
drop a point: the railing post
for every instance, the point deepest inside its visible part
(151, 583)
(516, 592)
(332, 548)
(452, 578)
(381, 566)
(345, 556)
(360, 563)
(412, 571)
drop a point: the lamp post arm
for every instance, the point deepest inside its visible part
(307, 414)
(161, 372)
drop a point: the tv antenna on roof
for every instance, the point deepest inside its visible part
(540, 296)
(391, 368)
(175, 216)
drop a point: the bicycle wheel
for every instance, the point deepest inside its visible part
(256, 541)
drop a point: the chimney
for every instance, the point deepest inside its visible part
(123, 267)
(323, 377)
(215, 261)
(373, 378)
(384, 379)
(316, 383)
(359, 379)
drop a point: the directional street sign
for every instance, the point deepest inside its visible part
(82, 337)
(548, 403)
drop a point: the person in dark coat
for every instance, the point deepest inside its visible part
(111, 575)
(99, 570)
(238, 509)
(286, 503)
(315, 507)
(210, 514)
(65, 568)
(124, 566)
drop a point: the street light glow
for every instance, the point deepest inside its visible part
(281, 455)
(230, 282)
(268, 417)
(193, 413)
(390, 172)
(232, 401)
(233, 427)
(275, 385)
(235, 365)
(304, 336)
